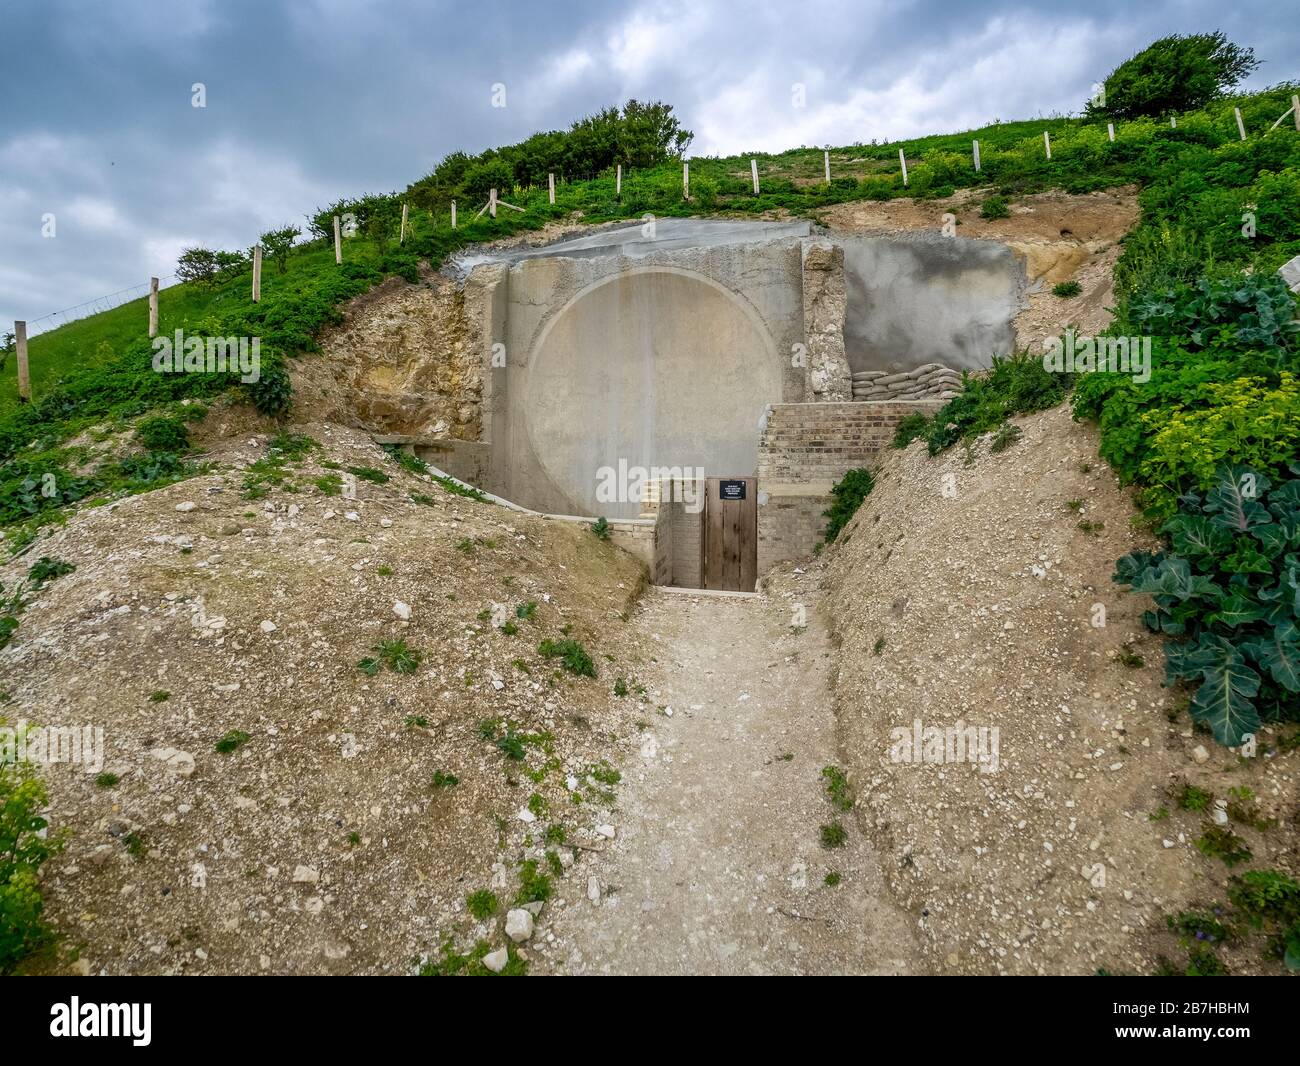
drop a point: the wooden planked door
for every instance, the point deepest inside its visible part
(729, 548)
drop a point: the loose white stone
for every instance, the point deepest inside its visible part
(519, 925)
(186, 507)
(268, 626)
(606, 831)
(305, 875)
(402, 610)
(593, 889)
(496, 960)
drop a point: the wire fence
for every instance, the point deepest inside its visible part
(55, 319)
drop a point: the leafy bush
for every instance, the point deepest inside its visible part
(1067, 290)
(24, 846)
(1228, 598)
(848, 494)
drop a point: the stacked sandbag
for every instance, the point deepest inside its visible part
(933, 381)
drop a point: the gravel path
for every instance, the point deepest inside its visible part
(717, 866)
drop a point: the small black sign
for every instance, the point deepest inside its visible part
(731, 489)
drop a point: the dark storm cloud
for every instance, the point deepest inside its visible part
(308, 101)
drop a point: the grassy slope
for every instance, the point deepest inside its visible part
(1012, 158)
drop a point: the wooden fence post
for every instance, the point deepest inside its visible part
(550, 183)
(338, 242)
(686, 181)
(1241, 126)
(1295, 111)
(1173, 122)
(257, 273)
(401, 236)
(902, 162)
(492, 202)
(975, 151)
(618, 181)
(153, 308)
(826, 162)
(1047, 144)
(753, 172)
(24, 378)
(1110, 131)
(453, 214)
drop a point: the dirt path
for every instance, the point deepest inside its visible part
(717, 866)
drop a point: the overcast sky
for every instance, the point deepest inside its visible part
(314, 99)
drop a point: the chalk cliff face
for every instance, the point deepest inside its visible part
(404, 361)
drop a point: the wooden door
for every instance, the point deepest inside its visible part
(730, 544)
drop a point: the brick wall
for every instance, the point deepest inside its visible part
(818, 442)
(804, 450)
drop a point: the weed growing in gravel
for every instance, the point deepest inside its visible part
(369, 473)
(832, 879)
(1008, 433)
(572, 655)
(1091, 529)
(620, 687)
(1067, 290)
(454, 964)
(834, 835)
(482, 904)
(329, 484)
(600, 527)
(398, 656)
(1126, 656)
(538, 805)
(384, 571)
(878, 646)
(465, 546)
(106, 780)
(526, 610)
(837, 786)
(415, 721)
(234, 739)
(534, 886)
(1195, 799)
(443, 780)
(136, 845)
(1220, 842)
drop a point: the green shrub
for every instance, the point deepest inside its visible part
(1016, 385)
(909, 428)
(601, 528)
(1227, 599)
(847, 496)
(24, 846)
(160, 434)
(995, 207)
(1067, 289)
